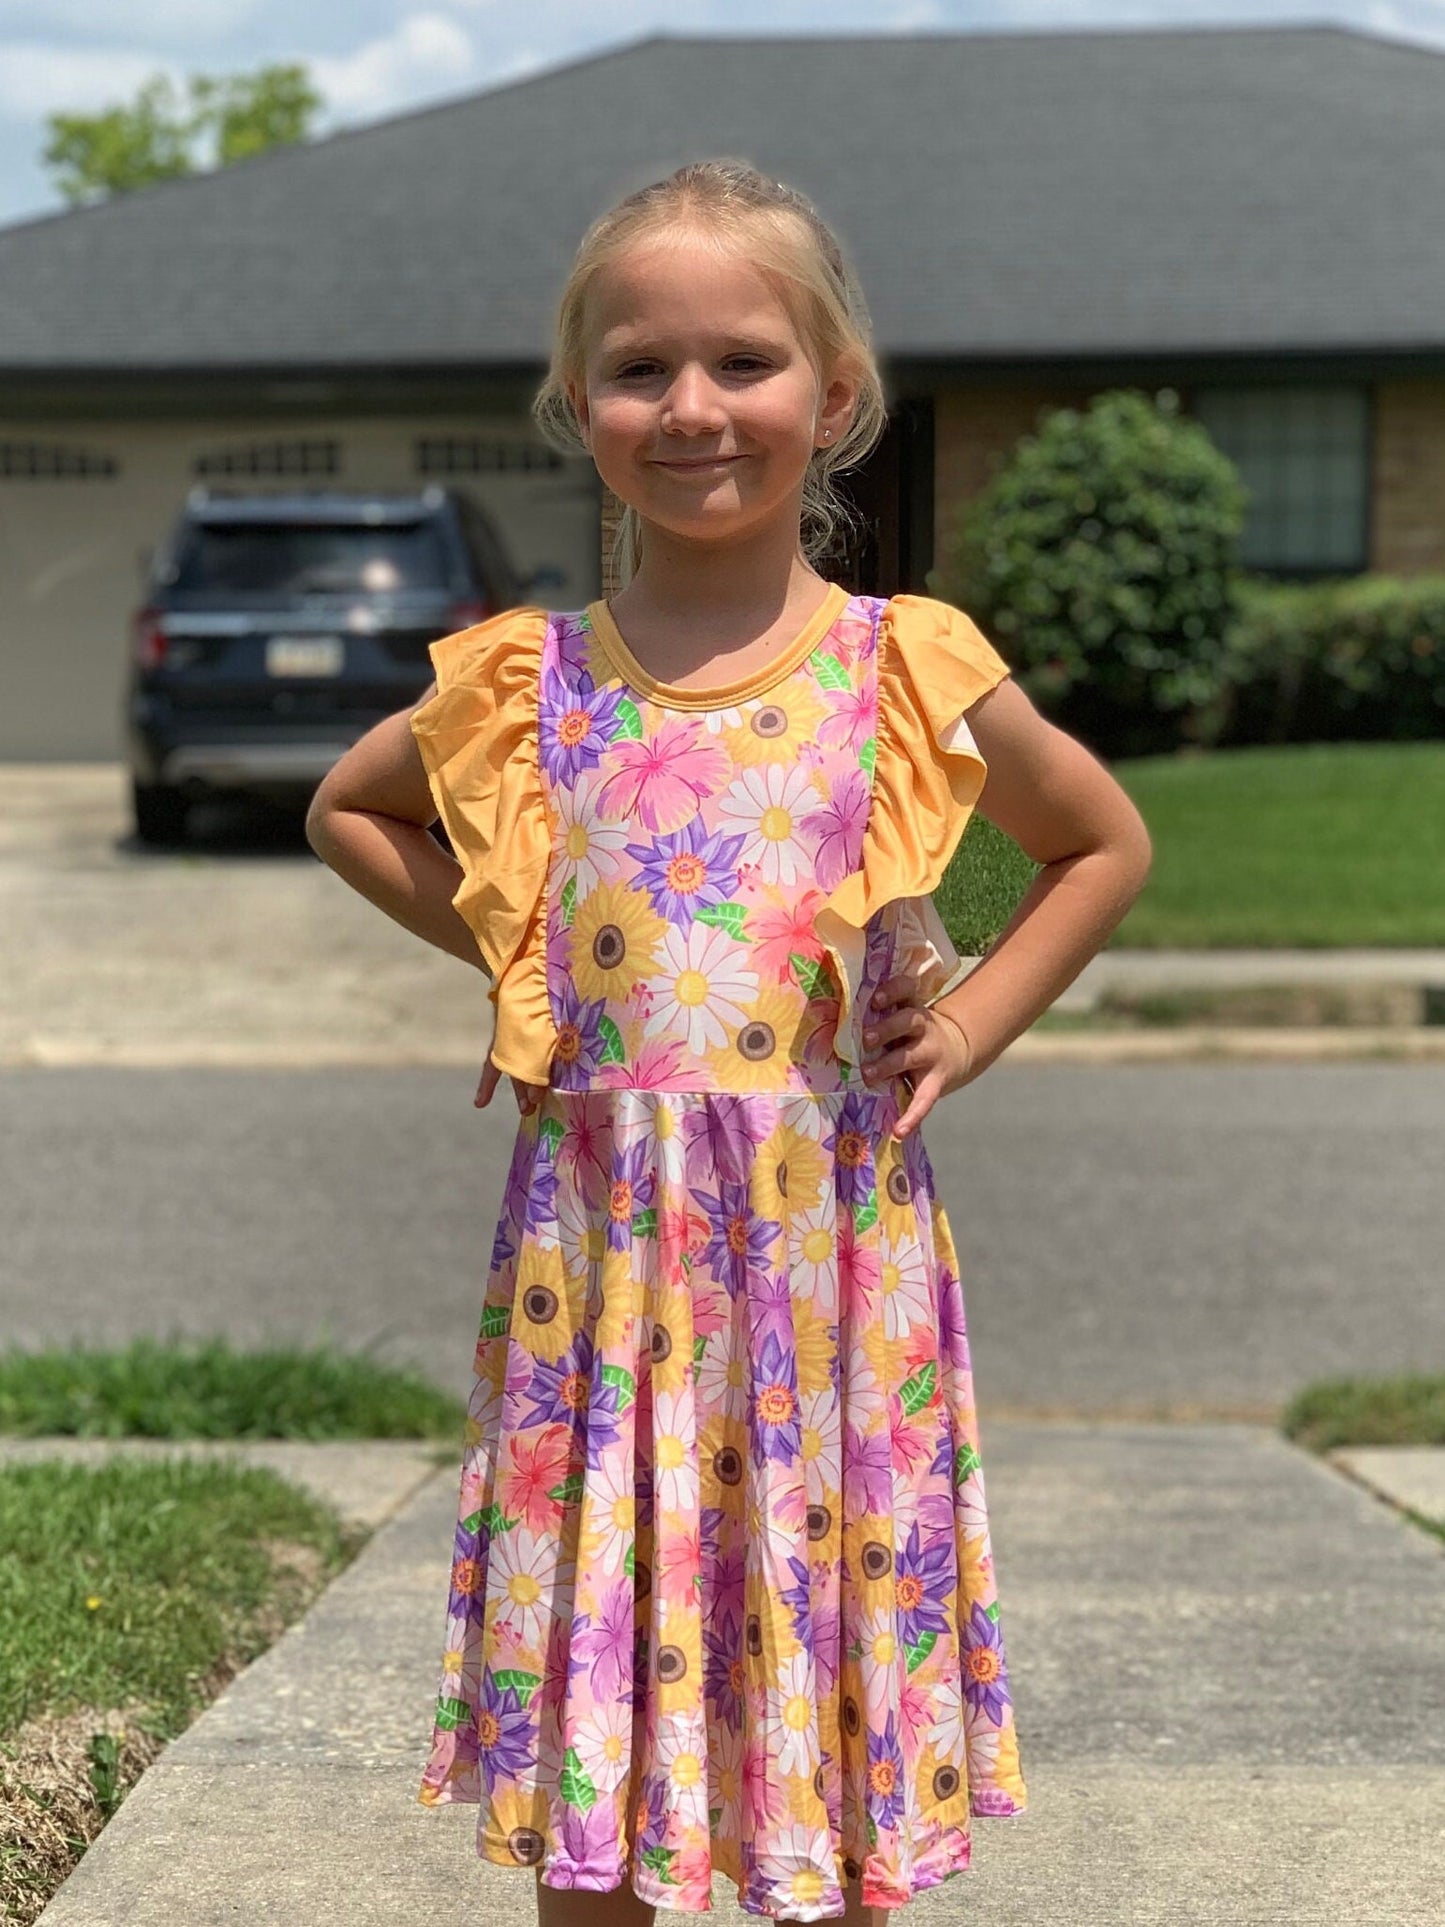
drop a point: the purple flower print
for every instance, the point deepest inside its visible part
(798, 1598)
(602, 1646)
(579, 1047)
(773, 1412)
(827, 1638)
(722, 1646)
(867, 1470)
(952, 1330)
(652, 1805)
(839, 828)
(560, 1389)
(723, 1133)
(740, 1243)
(985, 1675)
(505, 1745)
(542, 1194)
(468, 1597)
(687, 870)
(589, 1842)
(852, 1148)
(885, 1775)
(632, 1191)
(572, 636)
(575, 725)
(604, 1416)
(925, 1573)
(770, 1306)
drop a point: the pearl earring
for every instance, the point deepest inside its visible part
(827, 434)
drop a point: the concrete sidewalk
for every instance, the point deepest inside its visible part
(1225, 1658)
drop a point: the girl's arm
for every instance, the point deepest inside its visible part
(1060, 804)
(368, 821)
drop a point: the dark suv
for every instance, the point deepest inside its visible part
(277, 629)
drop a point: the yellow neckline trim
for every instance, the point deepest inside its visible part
(719, 695)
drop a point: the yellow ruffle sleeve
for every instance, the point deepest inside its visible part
(478, 740)
(933, 664)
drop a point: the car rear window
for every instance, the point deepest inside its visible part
(263, 558)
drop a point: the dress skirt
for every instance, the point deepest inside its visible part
(722, 1596)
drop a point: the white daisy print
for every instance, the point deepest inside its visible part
(904, 1280)
(812, 1246)
(674, 1459)
(722, 1376)
(799, 1866)
(609, 1515)
(523, 1577)
(586, 849)
(792, 1716)
(766, 804)
(822, 1442)
(680, 1752)
(702, 987)
(604, 1743)
(948, 1716)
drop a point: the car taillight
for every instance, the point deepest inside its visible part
(147, 639)
(463, 614)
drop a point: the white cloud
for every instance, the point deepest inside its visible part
(38, 78)
(396, 70)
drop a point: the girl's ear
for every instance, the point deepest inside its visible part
(578, 398)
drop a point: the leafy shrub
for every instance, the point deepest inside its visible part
(1101, 558)
(1357, 658)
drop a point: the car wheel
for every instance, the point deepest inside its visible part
(160, 813)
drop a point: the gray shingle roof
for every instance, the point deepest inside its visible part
(1002, 195)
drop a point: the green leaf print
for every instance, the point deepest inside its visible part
(868, 757)
(569, 901)
(699, 1346)
(629, 1563)
(496, 1319)
(577, 1787)
(644, 1223)
(626, 1384)
(991, 1612)
(569, 1492)
(660, 1860)
(872, 1831)
(629, 721)
(452, 1713)
(917, 1391)
(965, 1461)
(829, 671)
(495, 1520)
(714, 1815)
(613, 1051)
(865, 1219)
(726, 916)
(523, 1684)
(550, 1131)
(814, 979)
(472, 1523)
(919, 1652)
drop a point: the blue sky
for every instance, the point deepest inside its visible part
(375, 58)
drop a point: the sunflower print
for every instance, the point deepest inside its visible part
(722, 1596)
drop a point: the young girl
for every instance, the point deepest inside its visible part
(722, 1597)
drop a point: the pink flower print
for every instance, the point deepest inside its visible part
(839, 828)
(782, 928)
(852, 721)
(538, 1467)
(661, 780)
(658, 1066)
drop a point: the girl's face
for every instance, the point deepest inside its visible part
(701, 408)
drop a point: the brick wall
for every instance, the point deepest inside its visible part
(1407, 481)
(974, 430)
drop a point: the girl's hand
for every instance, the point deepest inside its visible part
(917, 1043)
(529, 1096)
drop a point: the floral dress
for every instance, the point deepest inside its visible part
(722, 1596)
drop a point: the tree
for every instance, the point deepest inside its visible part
(158, 136)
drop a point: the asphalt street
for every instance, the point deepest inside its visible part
(1189, 1240)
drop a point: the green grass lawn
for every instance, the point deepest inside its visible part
(1311, 846)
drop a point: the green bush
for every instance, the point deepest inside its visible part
(1356, 658)
(1102, 561)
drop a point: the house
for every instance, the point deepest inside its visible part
(1246, 215)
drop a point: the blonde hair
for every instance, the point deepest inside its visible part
(779, 231)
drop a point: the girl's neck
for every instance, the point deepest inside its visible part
(724, 593)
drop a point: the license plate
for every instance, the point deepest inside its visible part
(304, 655)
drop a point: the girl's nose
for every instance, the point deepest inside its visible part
(692, 402)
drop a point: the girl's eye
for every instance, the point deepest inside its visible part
(646, 367)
